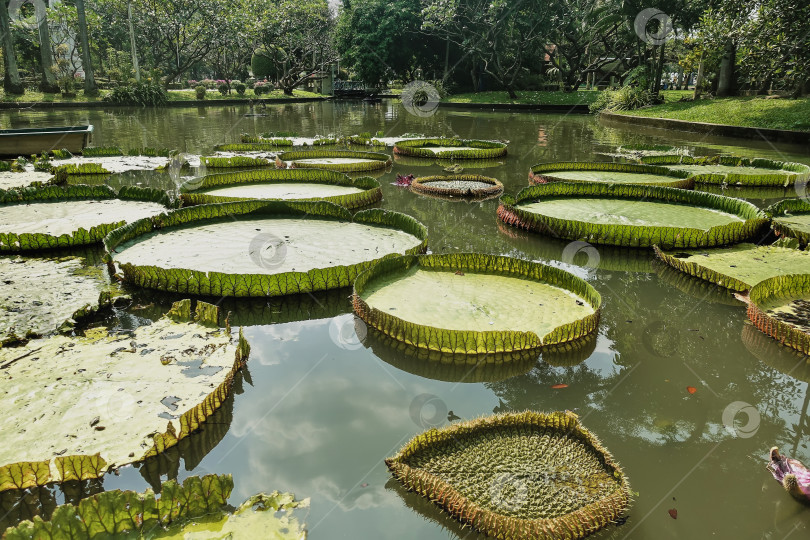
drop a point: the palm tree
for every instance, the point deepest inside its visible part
(48, 83)
(11, 81)
(90, 88)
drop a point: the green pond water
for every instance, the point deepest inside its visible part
(318, 409)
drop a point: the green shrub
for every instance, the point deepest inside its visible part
(145, 94)
(200, 91)
(223, 88)
(627, 98)
(240, 89)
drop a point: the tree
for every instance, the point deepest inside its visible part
(500, 36)
(48, 82)
(303, 31)
(179, 33)
(233, 45)
(380, 39)
(90, 88)
(11, 81)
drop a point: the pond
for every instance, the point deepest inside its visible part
(321, 404)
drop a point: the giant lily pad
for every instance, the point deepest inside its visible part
(615, 173)
(738, 267)
(791, 217)
(632, 216)
(233, 162)
(40, 296)
(334, 160)
(260, 248)
(734, 170)
(472, 186)
(74, 407)
(468, 303)
(780, 307)
(408, 161)
(525, 476)
(450, 148)
(49, 217)
(195, 510)
(286, 184)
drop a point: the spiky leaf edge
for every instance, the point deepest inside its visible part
(782, 286)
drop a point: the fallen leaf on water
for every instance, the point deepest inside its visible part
(673, 513)
(691, 389)
(559, 386)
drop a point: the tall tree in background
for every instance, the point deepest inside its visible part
(380, 39)
(303, 31)
(11, 81)
(90, 88)
(500, 36)
(48, 82)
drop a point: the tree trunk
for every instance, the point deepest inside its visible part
(135, 67)
(11, 81)
(90, 88)
(659, 72)
(699, 78)
(725, 81)
(48, 83)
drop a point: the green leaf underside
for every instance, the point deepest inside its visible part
(265, 246)
(632, 212)
(612, 177)
(38, 296)
(477, 302)
(195, 510)
(727, 169)
(66, 217)
(519, 475)
(739, 267)
(76, 406)
(289, 191)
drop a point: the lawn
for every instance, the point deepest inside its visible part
(174, 95)
(760, 112)
(528, 97)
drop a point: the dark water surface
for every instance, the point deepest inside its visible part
(319, 409)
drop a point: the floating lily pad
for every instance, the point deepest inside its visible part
(335, 160)
(13, 180)
(791, 217)
(738, 267)
(471, 299)
(614, 173)
(260, 248)
(195, 510)
(286, 184)
(450, 148)
(120, 164)
(632, 216)
(49, 217)
(471, 186)
(780, 307)
(522, 475)
(41, 296)
(734, 170)
(74, 407)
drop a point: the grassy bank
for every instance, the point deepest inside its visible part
(736, 111)
(174, 95)
(581, 97)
